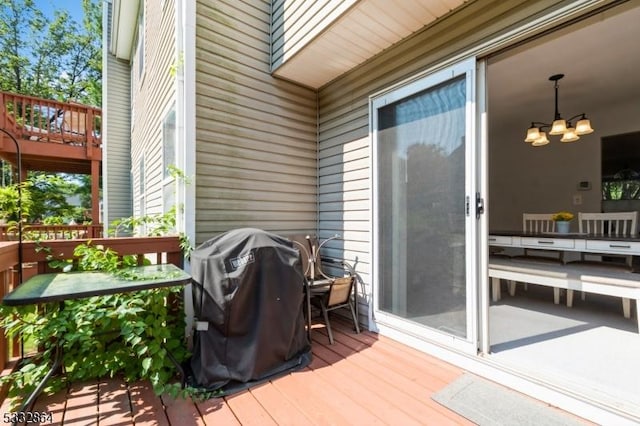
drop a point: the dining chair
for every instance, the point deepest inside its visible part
(538, 223)
(324, 290)
(612, 224)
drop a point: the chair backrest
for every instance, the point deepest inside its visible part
(308, 246)
(618, 224)
(538, 222)
(302, 244)
(340, 291)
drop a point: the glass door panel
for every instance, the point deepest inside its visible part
(421, 227)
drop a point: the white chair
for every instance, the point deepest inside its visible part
(614, 224)
(538, 222)
(619, 224)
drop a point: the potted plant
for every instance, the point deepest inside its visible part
(562, 220)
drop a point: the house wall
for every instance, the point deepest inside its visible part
(255, 135)
(297, 22)
(344, 142)
(116, 178)
(152, 95)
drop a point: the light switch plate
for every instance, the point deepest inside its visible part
(577, 199)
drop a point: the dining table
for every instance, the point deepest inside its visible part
(66, 286)
(597, 244)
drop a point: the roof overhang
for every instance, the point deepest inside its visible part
(361, 32)
(123, 27)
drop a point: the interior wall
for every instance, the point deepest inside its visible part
(544, 179)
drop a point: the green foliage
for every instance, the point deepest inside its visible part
(148, 225)
(129, 334)
(126, 334)
(9, 201)
(51, 57)
(50, 194)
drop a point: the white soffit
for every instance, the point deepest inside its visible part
(123, 27)
(365, 30)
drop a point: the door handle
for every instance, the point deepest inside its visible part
(479, 205)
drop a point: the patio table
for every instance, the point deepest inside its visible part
(60, 287)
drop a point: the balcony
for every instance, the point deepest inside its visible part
(52, 137)
(350, 368)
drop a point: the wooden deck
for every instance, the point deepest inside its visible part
(361, 379)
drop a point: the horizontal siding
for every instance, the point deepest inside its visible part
(116, 117)
(256, 159)
(297, 22)
(153, 95)
(344, 143)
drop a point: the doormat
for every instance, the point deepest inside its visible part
(487, 403)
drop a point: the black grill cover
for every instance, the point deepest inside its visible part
(248, 295)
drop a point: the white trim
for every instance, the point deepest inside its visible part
(105, 113)
(482, 132)
(123, 16)
(185, 18)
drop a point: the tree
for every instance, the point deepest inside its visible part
(53, 58)
(51, 195)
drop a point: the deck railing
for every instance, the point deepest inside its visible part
(51, 232)
(156, 249)
(8, 263)
(35, 119)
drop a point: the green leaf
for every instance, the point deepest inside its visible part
(146, 364)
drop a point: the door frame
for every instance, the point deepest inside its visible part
(466, 67)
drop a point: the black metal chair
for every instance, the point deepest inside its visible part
(326, 291)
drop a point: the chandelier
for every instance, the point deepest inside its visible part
(559, 126)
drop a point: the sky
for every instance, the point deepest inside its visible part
(74, 7)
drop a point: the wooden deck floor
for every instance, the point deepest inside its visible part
(361, 379)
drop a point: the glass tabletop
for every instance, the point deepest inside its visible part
(76, 285)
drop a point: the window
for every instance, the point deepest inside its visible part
(168, 159)
(140, 47)
(621, 167)
(141, 190)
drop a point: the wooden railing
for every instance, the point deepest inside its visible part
(156, 249)
(51, 232)
(35, 119)
(8, 263)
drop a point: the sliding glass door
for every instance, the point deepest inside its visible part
(424, 208)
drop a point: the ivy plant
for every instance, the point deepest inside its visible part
(129, 334)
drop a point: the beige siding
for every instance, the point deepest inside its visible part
(116, 138)
(344, 144)
(297, 22)
(153, 95)
(255, 135)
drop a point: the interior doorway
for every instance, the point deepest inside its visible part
(590, 349)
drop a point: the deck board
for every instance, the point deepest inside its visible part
(361, 379)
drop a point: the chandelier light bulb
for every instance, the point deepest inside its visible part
(533, 133)
(583, 127)
(558, 127)
(542, 140)
(570, 135)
